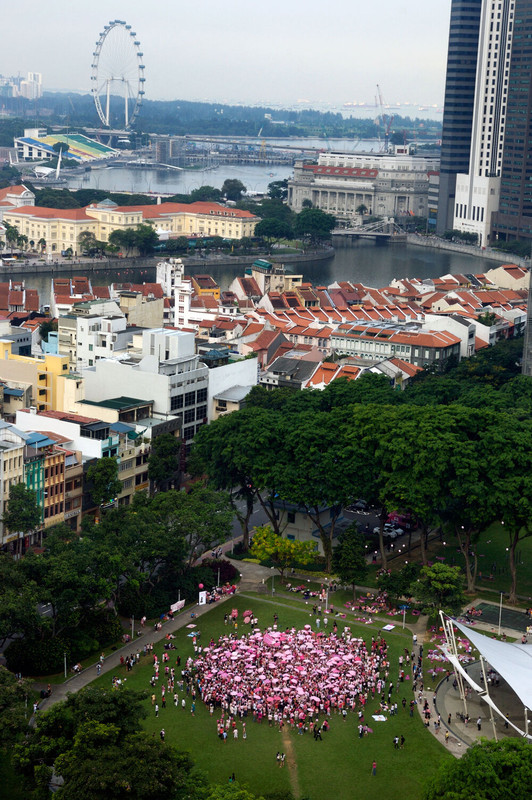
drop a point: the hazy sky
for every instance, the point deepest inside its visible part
(244, 50)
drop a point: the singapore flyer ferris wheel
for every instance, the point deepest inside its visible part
(117, 75)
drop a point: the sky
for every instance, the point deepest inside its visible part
(279, 51)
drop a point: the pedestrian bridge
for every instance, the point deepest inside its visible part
(384, 231)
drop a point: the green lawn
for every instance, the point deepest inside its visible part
(331, 768)
(493, 561)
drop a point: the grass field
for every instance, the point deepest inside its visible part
(338, 767)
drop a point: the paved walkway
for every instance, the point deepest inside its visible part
(253, 578)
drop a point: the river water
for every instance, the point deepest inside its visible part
(360, 261)
(254, 177)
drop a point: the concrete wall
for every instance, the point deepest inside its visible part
(237, 373)
(90, 448)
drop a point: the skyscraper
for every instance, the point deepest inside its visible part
(477, 190)
(458, 106)
(514, 218)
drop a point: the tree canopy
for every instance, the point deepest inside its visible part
(103, 475)
(284, 553)
(487, 771)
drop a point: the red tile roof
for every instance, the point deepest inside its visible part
(52, 213)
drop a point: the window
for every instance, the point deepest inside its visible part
(190, 398)
(291, 517)
(202, 395)
(189, 415)
(201, 412)
(188, 434)
(176, 402)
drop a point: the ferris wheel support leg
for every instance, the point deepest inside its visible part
(108, 103)
(125, 104)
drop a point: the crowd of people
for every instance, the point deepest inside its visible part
(290, 677)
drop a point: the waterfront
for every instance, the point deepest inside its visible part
(255, 177)
(360, 261)
(143, 181)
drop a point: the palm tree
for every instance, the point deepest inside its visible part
(42, 244)
(22, 242)
(12, 235)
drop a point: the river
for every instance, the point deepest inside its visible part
(360, 261)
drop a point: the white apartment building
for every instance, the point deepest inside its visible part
(166, 370)
(477, 194)
(88, 338)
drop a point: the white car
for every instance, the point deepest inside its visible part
(389, 532)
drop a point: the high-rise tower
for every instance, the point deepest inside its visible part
(514, 218)
(477, 191)
(458, 106)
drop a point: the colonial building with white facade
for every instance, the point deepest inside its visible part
(385, 184)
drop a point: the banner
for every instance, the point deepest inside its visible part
(177, 606)
(202, 599)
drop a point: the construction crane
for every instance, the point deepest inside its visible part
(385, 119)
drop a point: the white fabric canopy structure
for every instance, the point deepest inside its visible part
(511, 660)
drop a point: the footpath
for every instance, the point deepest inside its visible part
(252, 578)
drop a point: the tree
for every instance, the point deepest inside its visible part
(23, 512)
(105, 483)
(311, 470)
(314, 224)
(87, 242)
(273, 229)
(163, 463)
(12, 234)
(487, 771)
(15, 697)
(205, 194)
(19, 597)
(349, 559)
(61, 147)
(101, 763)
(272, 209)
(42, 244)
(361, 209)
(146, 238)
(91, 740)
(439, 588)
(22, 242)
(201, 518)
(217, 453)
(307, 203)
(398, 584)
(283, 552)
(508, 448)
(278, 190)
(233, 189)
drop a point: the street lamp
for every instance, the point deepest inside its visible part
(500, 613)
(273, 581)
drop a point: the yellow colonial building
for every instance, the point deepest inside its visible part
(61, 228)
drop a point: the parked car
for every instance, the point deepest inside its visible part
(389, 532)
(359, 505)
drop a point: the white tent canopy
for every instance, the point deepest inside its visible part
(511, 660)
